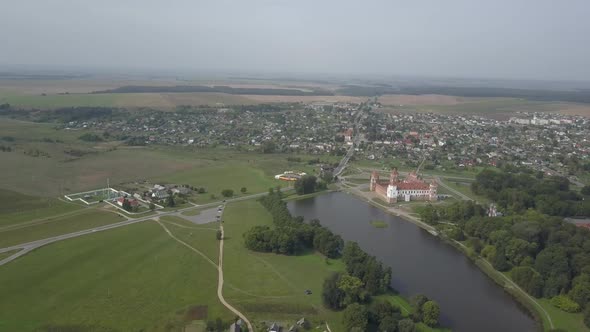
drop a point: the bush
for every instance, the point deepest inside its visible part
(227, 192)
(406, 325)
(565, 303)
(587, 316)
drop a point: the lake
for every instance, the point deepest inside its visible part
(421, 263)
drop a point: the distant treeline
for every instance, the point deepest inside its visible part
(60, 115)
(579, 96)
(221, 89)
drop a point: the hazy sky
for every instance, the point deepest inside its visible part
(538, 39)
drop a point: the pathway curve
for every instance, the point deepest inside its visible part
(220, 284)
(219, 267)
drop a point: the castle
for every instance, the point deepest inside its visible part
(410, 189)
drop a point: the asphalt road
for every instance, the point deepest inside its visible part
(25, 248)
(350, 152)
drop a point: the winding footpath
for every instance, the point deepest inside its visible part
(220, 283)
(218, 266)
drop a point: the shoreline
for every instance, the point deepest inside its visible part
(532, 308)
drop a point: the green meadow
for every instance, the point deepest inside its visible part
(61, 225)
(133, 278)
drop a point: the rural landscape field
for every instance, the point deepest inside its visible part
(291, 166)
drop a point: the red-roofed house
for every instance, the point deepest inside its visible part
(348, 135)
(133, 202)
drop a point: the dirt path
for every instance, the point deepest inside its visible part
(219, 269)
(220, 284)
(186, 244)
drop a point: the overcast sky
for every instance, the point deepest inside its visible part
(536, 39)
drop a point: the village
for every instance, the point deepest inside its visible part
(549, 143)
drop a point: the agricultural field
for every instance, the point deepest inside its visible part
(55, 173)
(495, 108)
(19, 208)
(128, 279)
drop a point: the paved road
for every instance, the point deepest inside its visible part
(355, 141)
(25, 248)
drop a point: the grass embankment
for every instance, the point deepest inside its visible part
(61, 225)
(128, 279)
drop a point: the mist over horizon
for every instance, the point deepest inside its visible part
(523, 40)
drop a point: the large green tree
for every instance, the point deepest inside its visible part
(355, 316)
(430, 313)
(305, 185)
(406, 325)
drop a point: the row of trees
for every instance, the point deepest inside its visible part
(291, 236)
(455, 212)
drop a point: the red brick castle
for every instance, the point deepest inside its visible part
(411, 188)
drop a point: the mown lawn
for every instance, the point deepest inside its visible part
(61, 225)
(133, 278)
(201, 237)
(218, 177)
(563, 320)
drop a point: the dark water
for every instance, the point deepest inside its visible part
(421, 263)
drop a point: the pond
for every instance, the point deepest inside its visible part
(421, 263)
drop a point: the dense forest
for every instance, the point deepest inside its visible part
(545, 255)
(517, 192)
(219, 88)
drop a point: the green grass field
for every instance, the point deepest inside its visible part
(564, 320)
(7, 254)
(464, 188)
(61, 174)
(60, 225)
(217, 178)
(134, 278)
(17, 208)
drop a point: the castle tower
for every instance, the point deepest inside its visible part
(433, 196)
(393, 178)
(374, 181)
